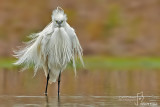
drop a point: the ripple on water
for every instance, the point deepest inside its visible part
(84, 101)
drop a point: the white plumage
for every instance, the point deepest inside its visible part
(53, 48)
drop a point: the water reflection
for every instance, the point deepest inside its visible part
(90, 88)
(47, 103)
(76, 101)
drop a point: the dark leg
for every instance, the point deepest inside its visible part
(47, 83)
(59, 79)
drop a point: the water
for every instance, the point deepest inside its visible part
(88, 89)
(76, 101)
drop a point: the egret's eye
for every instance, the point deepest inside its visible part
(56, 21)
(59, 22)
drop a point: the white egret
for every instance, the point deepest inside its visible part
(51, 49)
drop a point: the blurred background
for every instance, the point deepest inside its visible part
(120, 38)
(104, 27)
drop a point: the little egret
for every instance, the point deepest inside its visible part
(51, 49)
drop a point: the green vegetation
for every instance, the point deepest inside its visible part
(7, 63)
(104, 62)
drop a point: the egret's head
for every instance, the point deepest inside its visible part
(59, 18)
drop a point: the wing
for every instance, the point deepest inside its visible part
(48, 29)
(32, 52)
(77, 50)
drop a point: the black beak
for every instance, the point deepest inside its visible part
(59, 23)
